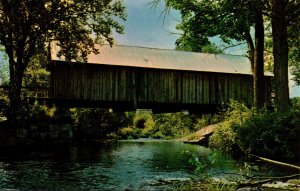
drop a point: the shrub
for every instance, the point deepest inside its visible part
(4, 103)
(224, 137)
(39, 112)
(272, 134)
(93, 123)
(174, 125)
(207, 119)
(143, 119)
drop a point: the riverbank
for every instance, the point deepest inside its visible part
(200, 137)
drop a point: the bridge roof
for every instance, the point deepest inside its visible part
(120, 55)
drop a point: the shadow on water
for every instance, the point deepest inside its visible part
(100, 165)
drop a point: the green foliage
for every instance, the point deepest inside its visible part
(28, 26)
(203, 19)
(143, 120)
(225, 137)
(97, 123)
(38, 112)
(166, 126)
(4, 103)
(36, 74)
(294, 48)
(205, 120)
(129, 133)
(70, 23)
(173, 125)
(37, 78)
(4, 70)
(141, 126)
(271, 134)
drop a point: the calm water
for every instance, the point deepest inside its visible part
(133, 165)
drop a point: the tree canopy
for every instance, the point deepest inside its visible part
(231, 19)
(294, 45)
(75, 25)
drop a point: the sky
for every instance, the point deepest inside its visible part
(147, 27)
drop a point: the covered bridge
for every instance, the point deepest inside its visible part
(126, 78)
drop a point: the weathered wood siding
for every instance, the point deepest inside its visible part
(164, 86)
(143, 85)
(90, 82)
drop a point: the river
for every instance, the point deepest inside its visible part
(133, 165)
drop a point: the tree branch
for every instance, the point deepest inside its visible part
(275, 162)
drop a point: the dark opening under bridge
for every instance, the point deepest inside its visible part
(127, 78)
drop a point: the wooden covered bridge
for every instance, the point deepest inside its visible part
(126, 78)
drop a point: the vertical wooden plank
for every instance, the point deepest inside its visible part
(165, 84)
(176, 86)
(184, 88)
(191, 95)
(95, 78)
(195, 87)
(205, 89)
(111, 85)
(134, 90)
(173, 87)
(151, 89)
(122, 81)
(128, 88)
(101, 93)
(190, 87)
(190, 84)
(160, 88)
(212, 88)
(187, 88)
(200, 88)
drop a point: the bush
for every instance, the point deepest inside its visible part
(167, 125)
(174, 125)
(4, 104)
(271, 134)
(142, 120)
(93, 123)
(207, 119)
(129, 133)
(224, 137)
(39, 112)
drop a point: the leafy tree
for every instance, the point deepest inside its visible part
(230, 19)
(233, 20)
(4, 70)
(37, 74)
(74, 25)
(294, 48)
(284, 14)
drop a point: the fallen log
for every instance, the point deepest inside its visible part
(275, 162)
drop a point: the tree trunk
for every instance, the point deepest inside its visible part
(280, 51)
(258, 69)
(16, 76)
(250, 49)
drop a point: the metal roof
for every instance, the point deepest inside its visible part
(120, 55)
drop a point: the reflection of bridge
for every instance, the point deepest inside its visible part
(126, 78)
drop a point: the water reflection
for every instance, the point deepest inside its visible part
(98, 166)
